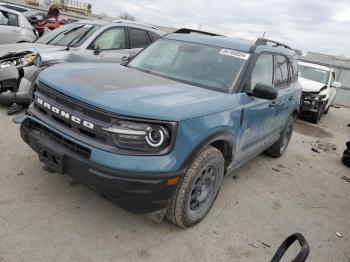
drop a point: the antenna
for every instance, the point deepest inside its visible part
(263, 35)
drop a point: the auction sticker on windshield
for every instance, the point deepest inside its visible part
(234, 53)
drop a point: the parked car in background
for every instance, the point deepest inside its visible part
(158, 135)
(319, 89)
(15, 28)
(85, 41)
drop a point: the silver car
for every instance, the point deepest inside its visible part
(15, 28)
(83, 41)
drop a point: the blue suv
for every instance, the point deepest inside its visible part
(157, 135)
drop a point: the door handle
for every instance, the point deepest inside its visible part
(124, 59)
(273, 104)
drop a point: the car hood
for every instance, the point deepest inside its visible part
(30, 47)
(310, 85)
(130, 92)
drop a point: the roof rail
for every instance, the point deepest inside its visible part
(264, 41)
(121, 21)
(189, 31)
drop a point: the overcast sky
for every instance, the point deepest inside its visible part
(313, 25)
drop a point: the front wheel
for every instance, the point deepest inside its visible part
(316, 116)
(198, 190)
(278, 148)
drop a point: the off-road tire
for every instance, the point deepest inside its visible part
(278, 148)
(178, 212)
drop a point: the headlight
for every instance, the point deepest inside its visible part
(139, 136)
(29, 59)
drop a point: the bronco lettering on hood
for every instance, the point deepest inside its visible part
(64, 114)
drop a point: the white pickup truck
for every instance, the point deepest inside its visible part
(319, 89)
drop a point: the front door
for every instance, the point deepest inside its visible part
(110, 46)
(9, 28)
(258, 114)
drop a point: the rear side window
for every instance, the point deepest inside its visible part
(281, 72)
(263, 71)
(293, 69)
(7, 18)
(13, 19)
(138, 38)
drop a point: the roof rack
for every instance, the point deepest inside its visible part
(189, 31)
(264, 41)
(121, 21)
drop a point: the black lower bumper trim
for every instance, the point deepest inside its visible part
(130, 191)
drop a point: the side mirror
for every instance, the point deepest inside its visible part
(97, 50)
(264, 91)
(335, 84)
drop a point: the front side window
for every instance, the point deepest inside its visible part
(138, 38)
(263, 71)
(314, 74)
(281, 72)
(110, 39)
(201, 65)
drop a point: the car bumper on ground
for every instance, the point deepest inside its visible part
(133, 191)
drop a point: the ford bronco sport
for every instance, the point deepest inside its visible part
(158, 134)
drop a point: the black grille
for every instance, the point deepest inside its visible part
(72, 146)
(74, 105)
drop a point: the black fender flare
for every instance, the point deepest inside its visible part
(219, 136)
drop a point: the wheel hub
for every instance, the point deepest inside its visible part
(203, 188)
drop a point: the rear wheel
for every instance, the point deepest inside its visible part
(278, 149)
(198, 190)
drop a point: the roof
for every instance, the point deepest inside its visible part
(228, 42)
(10, 10)
(126, 23)
(314, 66)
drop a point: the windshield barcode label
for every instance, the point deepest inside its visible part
(234, 53)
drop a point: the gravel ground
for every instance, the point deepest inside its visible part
(46, 217)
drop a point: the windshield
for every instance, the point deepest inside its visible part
(197, 64)
(70, 34)
(313, 74)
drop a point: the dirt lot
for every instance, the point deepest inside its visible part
(45, 217)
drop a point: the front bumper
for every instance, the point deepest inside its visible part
(135, 192)
(310, 103)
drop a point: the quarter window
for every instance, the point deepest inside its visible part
(113, 38)
(138, 38)
(263, 71)
(281, 72)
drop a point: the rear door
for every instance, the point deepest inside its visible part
(283, 81)
(9, 28)
(258, 114)
(138, 39)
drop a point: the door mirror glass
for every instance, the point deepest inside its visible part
(264, 91)
(336, 84)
